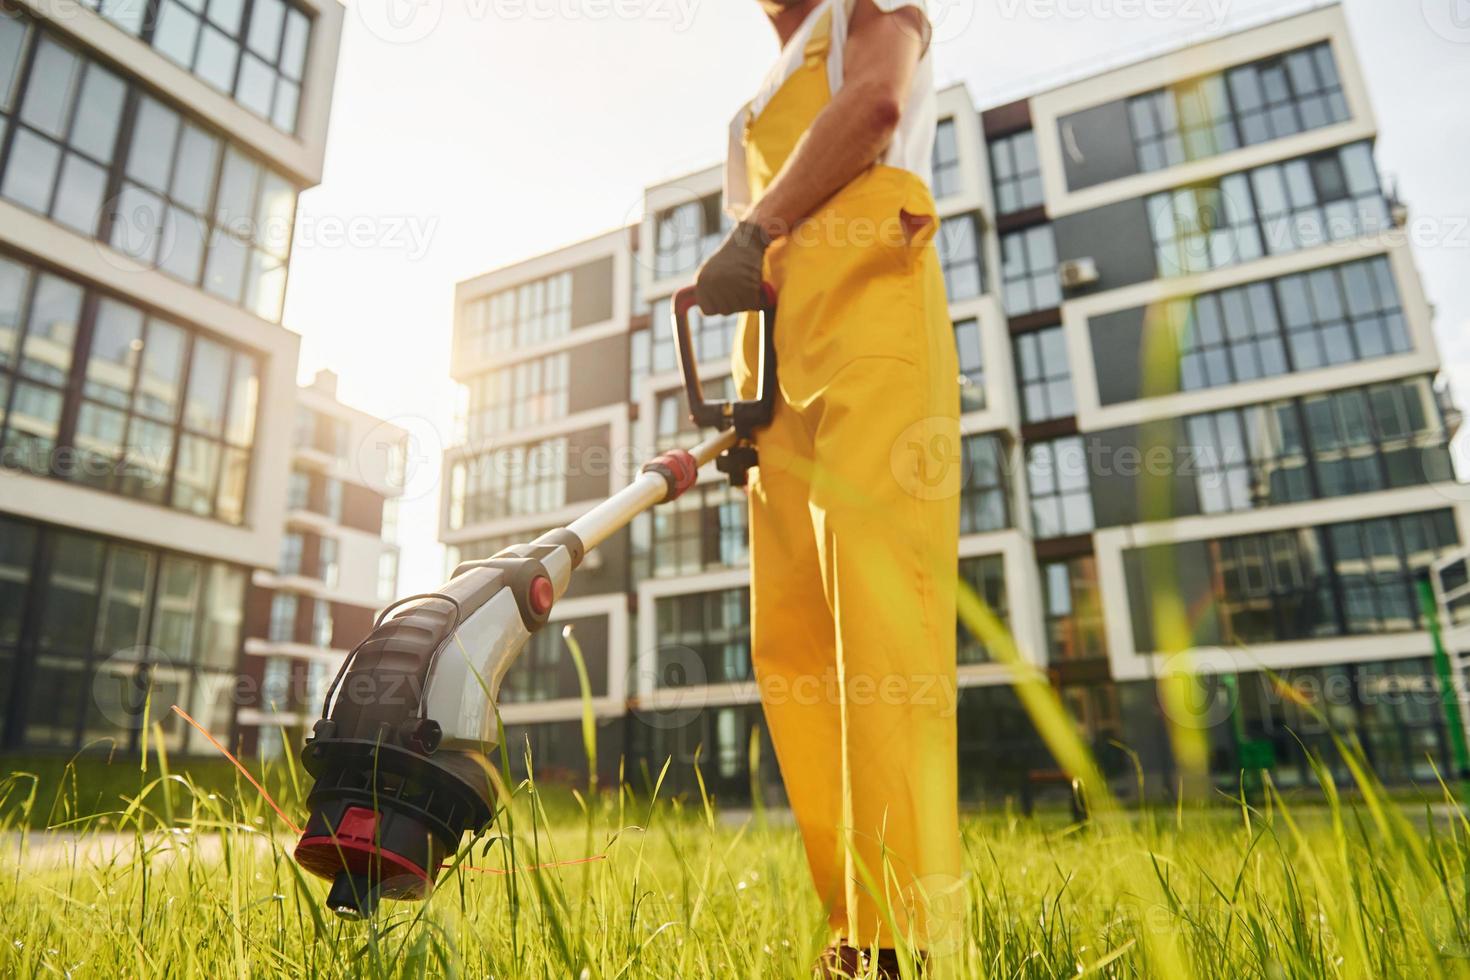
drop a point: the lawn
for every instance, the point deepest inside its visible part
(185, 877)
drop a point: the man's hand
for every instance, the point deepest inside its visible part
(730, 279)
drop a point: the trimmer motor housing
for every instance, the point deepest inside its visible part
(401, 755)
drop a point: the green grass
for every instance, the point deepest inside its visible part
(179, 878)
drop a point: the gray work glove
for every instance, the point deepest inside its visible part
(730, 279)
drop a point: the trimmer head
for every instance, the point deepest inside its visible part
(384, 819)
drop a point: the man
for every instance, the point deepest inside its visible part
(854, 503)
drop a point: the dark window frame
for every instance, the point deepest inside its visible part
(1222, 223)
(264, 259)
(74, 396)
(948, 177)
(1178, 114)
(1008, 176)
(1044, 383)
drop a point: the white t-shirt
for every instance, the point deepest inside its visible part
(913, 141)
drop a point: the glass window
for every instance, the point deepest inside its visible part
(292, 546)
(713, 338)
(961, 256)
(326, 565)
(1264, 100)
(672, 428)
(1045, 374)
(1205, 227)
(1228, 337)
(987, 578)
(512, 481)
(64, 142)
(69, 608)
(1329, 316)
(523, 394)
(1249, 458)
(180, 594)
(1274, 209)
(298, 491)
(685, 235)
(259, 62)
(388, 575)
(44, 312)
(1311, 201)
(333, 507)
(704, 529)
(127, 436)
(321, 624)
(14, 34)
(1288, 94)
(985, 496)
(1061, 500)
(170, 204)
(17, 552)
(1342, 314)
(283, 618)
(1353, 578)
(1074, 617)
(948, 179)
(522, 316)
(105, 606)
(1016, 172)
(1029, 271)
(712, 626)
(972, 365)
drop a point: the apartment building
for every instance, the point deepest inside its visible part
(535, 451)
(338, 565)
(1200, 425)
(151, 154)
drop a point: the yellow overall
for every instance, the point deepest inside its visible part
(854, 519)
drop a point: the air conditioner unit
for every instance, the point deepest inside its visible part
(1077, 273)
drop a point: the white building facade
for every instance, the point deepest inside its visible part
(338, 565)
(151, 154)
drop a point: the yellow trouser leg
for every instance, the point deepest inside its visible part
(862, 718)
(793, 648)
(888, 563)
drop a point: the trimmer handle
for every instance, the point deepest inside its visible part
(745, 416)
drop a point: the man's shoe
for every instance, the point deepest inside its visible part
(841, 962)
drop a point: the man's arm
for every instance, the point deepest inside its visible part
(881, 55)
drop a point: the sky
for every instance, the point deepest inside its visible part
(469, 134)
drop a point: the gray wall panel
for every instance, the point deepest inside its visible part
(1116, 237)
(599, 373)
(1097, 145)
(592, 292)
